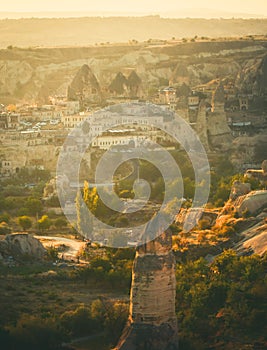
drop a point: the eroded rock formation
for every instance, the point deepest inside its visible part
(220, 135)
(119, 84)
(134, 83)
(85, 86)
(152, 323)
(239, 189)
(253, 203)
(19, 245)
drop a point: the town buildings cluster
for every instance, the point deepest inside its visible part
(218, 112)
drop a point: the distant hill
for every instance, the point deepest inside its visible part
(181, 13)
(90, 30)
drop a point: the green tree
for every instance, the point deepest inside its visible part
(4, 217)
(112, 316)
(32, 332)
(90, 197)
(60, 223)
(44, 223)
(86, 206)
(34, 206)
(99, 262)
(25, 222)
(83, 219)
(79, 322)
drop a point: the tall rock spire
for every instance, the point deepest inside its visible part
(220, 134)
(201, 125)
(152, 323)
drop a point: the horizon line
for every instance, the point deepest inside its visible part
(109, 14)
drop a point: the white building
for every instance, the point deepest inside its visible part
(70, 121)
(107, 141)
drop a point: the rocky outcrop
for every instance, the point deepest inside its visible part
(239, 189)
(180, 75)
(152, 323)
(14, 74)
(264, 167)
(254, 239)
(253, 77)
(119, 85)
(85, 86)
(19, 245)
(253, 203)
(134, 84)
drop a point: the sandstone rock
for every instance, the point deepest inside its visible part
(134, 83)
(152, 321)
(119, 84)
(258, 243)
(264, 166)
(148, 337)
(21, 244)
(14, 74)
(219, 133)
(85, 86)
(3, 247)
(180, 74)
(254, 202)
(239, 189)
(254, 239)
(253, 76)
(201, 126)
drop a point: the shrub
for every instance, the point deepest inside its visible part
(203, 224)
(31, 333)
(34, 206)
(25, 222)
(4, 229)
(52, 253)
(60, 223)
(226, 231)
(44, 223)
(103, 263)
(4, 218)
(79, 322)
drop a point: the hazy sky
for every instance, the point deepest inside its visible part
(135, 6)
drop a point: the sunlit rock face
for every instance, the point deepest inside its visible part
(152, 321)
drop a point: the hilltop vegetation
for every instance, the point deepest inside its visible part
(86, 30)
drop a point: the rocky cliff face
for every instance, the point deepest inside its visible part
(152, 321)
(29, 156)
(252, 78)
(28, 74)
